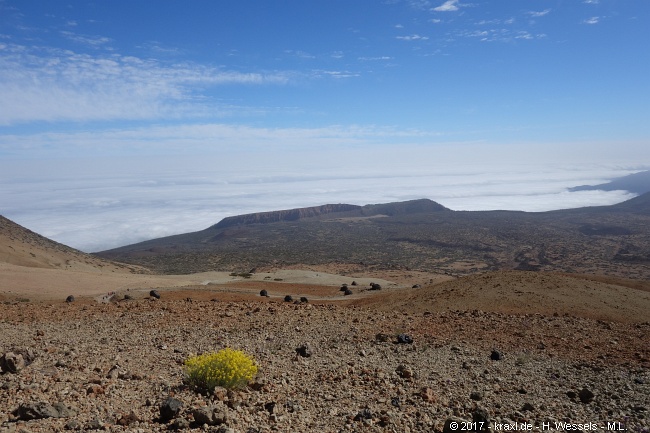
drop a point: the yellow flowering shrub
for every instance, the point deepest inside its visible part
(228, 368)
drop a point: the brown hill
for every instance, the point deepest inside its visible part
(22, 247)
(420, 235)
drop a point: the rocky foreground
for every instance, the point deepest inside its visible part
(118, 367)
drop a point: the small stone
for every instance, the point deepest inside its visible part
(305, 350)
(179, 424)
(73, 424)
(304, 300)
(363, 414)
(585, 395)
(128, 419)
(264, 293)
(481, 419)
(154, 294)
(347, 292)
(382, 337)
(404, 339)
(95, 424)
(69, 299)
(527, 407)
(476, 395)
(496, 355)
(427, 394)
(288, 298)
(12, 362)
(404, 371)
(210, 415)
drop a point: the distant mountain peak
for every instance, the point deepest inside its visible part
(637, 183)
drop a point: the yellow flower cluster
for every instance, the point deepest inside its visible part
(228, 368)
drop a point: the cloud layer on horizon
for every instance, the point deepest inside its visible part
(99, 208)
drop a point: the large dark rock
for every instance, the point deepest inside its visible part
(69, 299)
(496, 355)
(288, 298)
(169, 409)
(154, 294)
(263, 292)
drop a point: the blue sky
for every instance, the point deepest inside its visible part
(272, 90)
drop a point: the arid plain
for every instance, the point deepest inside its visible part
(498, 345)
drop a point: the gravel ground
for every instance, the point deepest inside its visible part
(110, 367)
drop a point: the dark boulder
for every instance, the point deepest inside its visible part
(347, 292)
(304, 299)
(496, 355)
(288, 298)
(169, 409)
(404, 339)
(264, 293)
(375, 286)
(69, 299)
(154, 294)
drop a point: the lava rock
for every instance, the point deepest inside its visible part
(496, 355)
(481, 418)
(476, 395)
(264, 293)
(305, 350)
(288, 298)
(12, 362)
(585, 395)
(303, 299)
(170, 408)
(210, 415)
(180, 424)
(69, 299)
(347, 292)
(363, 414)
(404, 339)
(40, 410)
(154, 294)
(375, 286)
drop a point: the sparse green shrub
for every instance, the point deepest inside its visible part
(228, 368)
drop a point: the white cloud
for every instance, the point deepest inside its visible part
(95, 205)
(52, 85)
(448, 6)
(592, 20)
(539, 13)
(412, 38)
(91, 41)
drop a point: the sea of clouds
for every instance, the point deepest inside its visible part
(99, 204)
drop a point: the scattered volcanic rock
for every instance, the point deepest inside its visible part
(154, 294)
